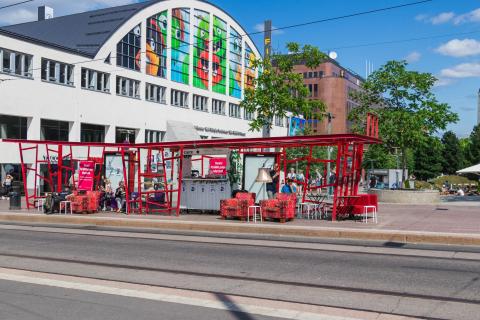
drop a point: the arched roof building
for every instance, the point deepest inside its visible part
(126, 72)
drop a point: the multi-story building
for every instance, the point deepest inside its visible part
(123, 74)
(332, 84)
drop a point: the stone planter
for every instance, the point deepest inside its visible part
(407, 196)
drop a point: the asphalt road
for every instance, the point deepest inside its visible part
(423, 286)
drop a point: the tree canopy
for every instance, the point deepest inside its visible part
(452, 155)
(408, 110)
(278, 89)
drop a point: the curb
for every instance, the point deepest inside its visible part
(274, 230)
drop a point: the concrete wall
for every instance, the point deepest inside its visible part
(407, 196)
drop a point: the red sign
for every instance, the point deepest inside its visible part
(218, 166)
(86, 173)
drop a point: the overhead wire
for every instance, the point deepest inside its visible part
(15, 4)
(258, 32)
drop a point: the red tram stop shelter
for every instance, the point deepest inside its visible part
(54, 164)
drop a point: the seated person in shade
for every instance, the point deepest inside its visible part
(289, 187)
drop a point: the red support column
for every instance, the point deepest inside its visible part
(24, 175)
(179, 186)
(125, 181)
(336, 184)
(60, 168)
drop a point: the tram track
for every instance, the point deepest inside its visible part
(234, 278)
(223, 293)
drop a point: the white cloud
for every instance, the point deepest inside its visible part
(438, 19)
(463, 70)
(442, 18)
(460, 48)
(28, 11)
(260, 27)
(456, 19)
(443, 82)
(472, 16)
(413, 57)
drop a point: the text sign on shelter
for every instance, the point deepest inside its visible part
(86, 173)
(218, 166)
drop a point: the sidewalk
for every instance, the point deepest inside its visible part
(443, 223)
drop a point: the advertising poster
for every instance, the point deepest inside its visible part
(249, 67)
(114, 169)
(219, 63)
(86, 174)
(296, 126)
(235, 64)
(157, 45)
(201, 52)
(180, 45)
(218, 166)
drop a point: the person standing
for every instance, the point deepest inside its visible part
(272, 187)
(120, 196)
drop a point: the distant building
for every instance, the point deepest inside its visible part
(332, 84)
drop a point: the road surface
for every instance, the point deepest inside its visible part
(90, 273)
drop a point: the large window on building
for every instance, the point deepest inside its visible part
(235, 63)
(279, 121)
(152, 136)
(16, 63)
(128, 87)
(200, 103)
(92, 133)
(155, 93)
(218, 106)
(201, 50)
(125, 135)
(219, 57)
(248, 115)
(234, 110)
(13, 127)
(57, 72)
(157, 45)
(52, 130)
(129, 49)
(180, 45)
(95, 80)
(179, 98)
(250, 72)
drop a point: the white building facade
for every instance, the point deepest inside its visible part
(121, 74)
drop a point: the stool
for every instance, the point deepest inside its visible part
(256, 210)
(64, 203)
(311, 208)
(40, 203)
(370, 209)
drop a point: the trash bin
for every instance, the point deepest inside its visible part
(16, 198)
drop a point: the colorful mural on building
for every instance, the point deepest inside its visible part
(235, 63)
(201, 50)
(180, 45)
(219, 63)
(156, 52)
(129, 49)
(249, 67)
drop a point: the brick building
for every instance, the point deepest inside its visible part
(332, 84)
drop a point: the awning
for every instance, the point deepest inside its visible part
(180, 131)
(472, 169)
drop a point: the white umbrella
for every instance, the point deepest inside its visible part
(472, 169)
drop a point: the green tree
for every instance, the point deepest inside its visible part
(407, 108)
(465, 149)
(452, 156)
(278, 89)
(473, 153)
(428, 158)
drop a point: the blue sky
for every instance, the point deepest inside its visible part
(454, 59)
